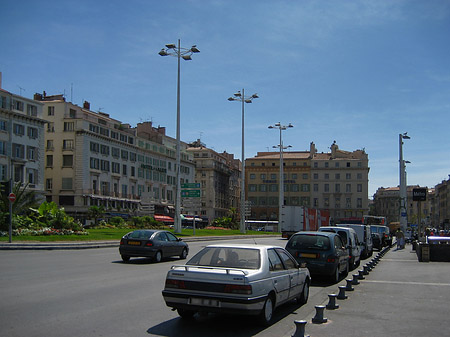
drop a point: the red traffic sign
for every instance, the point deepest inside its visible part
(12, 197)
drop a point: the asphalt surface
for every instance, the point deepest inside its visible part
(399, 297)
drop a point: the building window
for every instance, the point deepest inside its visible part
(316, 187)
(94, 163)
(32, 110)
(48, 184)
(348, 176)
(32, 133)
(348, 202)
(3, 125)
(337, 201)
(326, 164)
(104, 165)
(273, 188)
(252, 188)
(337, 176)
(18, 151)
(316, 202)
(124, 170)
(294, 176)
(326, 188)
(359, 203)
(326, 202)
(31, 153)
(337, 188)
(252, 176)
(67, 160)
(32, 176)
(2, 147)
(72, 113)
(359, 176)
(49, 162)
(359, 188)
(263, 188)
(50, 127)
(18, 105)
(348, 188)
(305, 187)
(295, 187)
(67, 184)
(336, 164)
(305, 176)
(69, 126)
(51, 111)
(327, 176)
(273, 176)
(68, 144)
(19, 129)
(316, 176)
(348, 164)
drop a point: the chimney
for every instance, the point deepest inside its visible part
(87, 105)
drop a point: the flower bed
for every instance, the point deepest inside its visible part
(44, 231)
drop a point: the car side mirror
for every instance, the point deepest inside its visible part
(303, 265)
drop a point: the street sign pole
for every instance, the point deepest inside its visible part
(10, 212)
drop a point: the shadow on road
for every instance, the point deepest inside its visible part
(218, 324)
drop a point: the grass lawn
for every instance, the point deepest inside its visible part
(116, 234)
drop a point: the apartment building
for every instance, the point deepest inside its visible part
(93, 159)
(387, 203)
(336, 181)
(22, 141)
(219, 178)
(340, 182)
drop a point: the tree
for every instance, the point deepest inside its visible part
(25, 199)
(96, 212)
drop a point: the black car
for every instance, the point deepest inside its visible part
(323, 252)
(155, 244)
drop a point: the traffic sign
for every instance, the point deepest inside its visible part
(12, 197)
(190, 193)
(190, 185)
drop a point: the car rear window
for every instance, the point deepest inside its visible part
(309, 242)
(227, 257)
(140, 234)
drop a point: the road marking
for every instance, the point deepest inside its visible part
(411, 283)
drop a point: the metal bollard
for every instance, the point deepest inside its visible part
(365, 270)
(300, 328)
(319, 319)
(341, 295)
(349, 285)
(355, 279)
(332, 302)
(361, 274)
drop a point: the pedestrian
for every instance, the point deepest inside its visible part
(400, 239)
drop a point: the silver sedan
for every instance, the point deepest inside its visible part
(244, 279)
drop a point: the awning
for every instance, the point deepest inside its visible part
(163, 218)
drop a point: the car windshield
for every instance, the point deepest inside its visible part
(227, 257)
(309, 242)
(140, 235)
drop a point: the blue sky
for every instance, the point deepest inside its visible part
(358, 72)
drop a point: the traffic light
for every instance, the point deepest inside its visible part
(5, 188)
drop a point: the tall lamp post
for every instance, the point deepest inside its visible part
(402, 189)
(244, 99)
(184, 53)
(281, 187)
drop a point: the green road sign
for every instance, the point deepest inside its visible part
(190, 185)
(190, 193)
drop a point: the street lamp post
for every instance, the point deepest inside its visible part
(179, 52)
(402, 187)
(244, 99)
(281, 184)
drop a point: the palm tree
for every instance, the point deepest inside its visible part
(96, 212)
(25, 199)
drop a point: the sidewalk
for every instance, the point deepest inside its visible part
(399, 297)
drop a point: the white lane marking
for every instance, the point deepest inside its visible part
(411, 283)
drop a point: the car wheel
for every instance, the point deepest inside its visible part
(158, 256)
(183, 254)
(185, 313)
(266, 315)
(303, 298)
(125, 258)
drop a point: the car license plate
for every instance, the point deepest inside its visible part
(309, 255)
(204, 301)
(134, 243)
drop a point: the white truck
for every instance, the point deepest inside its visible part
(300, 218)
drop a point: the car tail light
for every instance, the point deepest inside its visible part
(331, 259)
(178, 284)
(238, 289)
(149, 244)
(122, 242)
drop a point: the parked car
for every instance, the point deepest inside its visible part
(237, 279)
(156, 244)
(364, 237)
(381, 236)
(350, 239)
(323, 252)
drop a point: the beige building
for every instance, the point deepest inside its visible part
(21, 141)
(336, 181)
(219, 177)
(93, 159)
